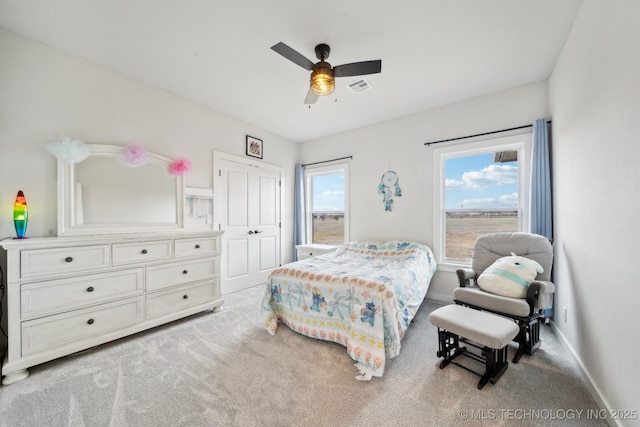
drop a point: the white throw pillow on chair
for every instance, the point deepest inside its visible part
(509, 276)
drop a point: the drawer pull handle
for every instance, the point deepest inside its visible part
(68, 259)
(310, 253)
(143, 252)
(197, 246)
(90, 289)
(185, 271)
(185, 296)
(90, 322)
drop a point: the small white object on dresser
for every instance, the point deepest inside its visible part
(313, 249)
(66, 294)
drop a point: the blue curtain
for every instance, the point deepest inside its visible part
(541, 209)
(299, 215)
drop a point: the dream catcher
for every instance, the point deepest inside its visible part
(389, 188)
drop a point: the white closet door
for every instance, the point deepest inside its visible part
(250, 217)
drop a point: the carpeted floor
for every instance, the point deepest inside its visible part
(224, 369)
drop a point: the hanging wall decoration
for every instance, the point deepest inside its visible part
(67, 149)
(389, 188)
(179, 167)
(134, 155)
(254, 147)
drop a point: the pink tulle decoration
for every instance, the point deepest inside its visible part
(134, 155)
(179, 167)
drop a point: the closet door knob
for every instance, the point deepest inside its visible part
(90, 322)
(197, 246)
(90, 289)
(144, 251)
(68, 259)
(185, 271)
(185, 296)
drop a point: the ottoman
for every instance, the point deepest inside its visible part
(483, 331)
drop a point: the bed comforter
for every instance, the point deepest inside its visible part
(362, 296)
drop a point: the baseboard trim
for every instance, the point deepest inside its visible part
(591, 386)
(440, 298)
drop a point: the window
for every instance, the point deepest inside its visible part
(480, 187)
(327, 201)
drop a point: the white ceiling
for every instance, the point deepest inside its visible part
(217, 53)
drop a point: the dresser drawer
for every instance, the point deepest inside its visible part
(127, 253)
(46, 262)
(54, 331)
(194, 247)
(43, 298)
(174, 300)
(179, 273)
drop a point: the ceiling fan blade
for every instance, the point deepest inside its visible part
(358, 68)
(311, 97)
(293, 56)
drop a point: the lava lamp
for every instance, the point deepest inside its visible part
(20, 215)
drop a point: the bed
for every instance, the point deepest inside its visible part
(363, 296)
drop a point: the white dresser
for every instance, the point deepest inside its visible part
(313, 249)
(65, 294)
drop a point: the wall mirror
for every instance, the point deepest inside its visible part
(102, 195)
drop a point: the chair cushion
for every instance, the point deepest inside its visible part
(484, 328)
(478, 297)
(509, 276)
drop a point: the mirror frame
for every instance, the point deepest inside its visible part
(67, 225)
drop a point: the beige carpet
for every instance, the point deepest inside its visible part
(224, 369)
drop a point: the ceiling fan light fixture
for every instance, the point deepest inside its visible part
(323, 76)
(323, 79)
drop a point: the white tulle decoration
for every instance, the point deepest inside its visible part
(67, 149)
(134, 155)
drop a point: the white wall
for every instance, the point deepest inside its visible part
(46, 92)
(399, 145)
(595, 104)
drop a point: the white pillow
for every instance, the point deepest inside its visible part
(509, 276)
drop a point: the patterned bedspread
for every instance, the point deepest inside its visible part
(362, 296)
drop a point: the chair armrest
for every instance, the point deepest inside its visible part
(465, 275)
(532, 295)
(546, 287)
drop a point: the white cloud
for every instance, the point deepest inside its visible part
(453, 184)
(330, 200)
(326, 195)
(503, 201)
(489, 176)
(327, 208)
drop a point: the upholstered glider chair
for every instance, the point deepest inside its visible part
(517, 287)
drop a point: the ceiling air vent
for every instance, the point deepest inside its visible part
(359, 86)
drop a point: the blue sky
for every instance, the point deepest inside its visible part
(328, 192)
(477, 182)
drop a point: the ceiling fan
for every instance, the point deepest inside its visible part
(322, 74)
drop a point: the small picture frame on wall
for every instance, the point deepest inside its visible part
(254, 147)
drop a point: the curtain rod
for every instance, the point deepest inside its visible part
(482, 134)
(327, 161)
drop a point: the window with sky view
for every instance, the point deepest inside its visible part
(326, 190)
(480, 196)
